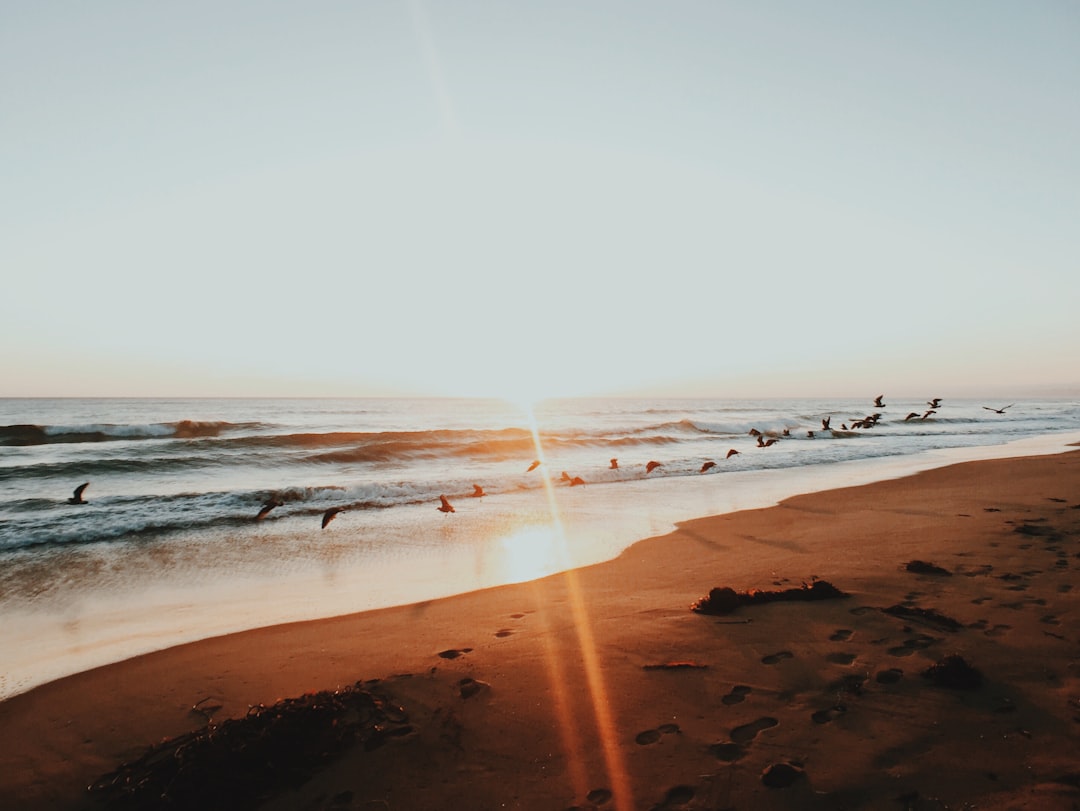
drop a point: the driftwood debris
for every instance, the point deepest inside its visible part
(723, 599)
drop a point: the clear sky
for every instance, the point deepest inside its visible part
(539, 198)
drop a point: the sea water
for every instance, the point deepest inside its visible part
(169, 549)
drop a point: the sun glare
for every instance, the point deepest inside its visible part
(530, 553)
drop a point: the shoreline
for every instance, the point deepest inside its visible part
(93, 630)
(571, 704)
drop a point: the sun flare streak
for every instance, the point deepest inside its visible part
(618, 776)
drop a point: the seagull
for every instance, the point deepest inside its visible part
(76, 497)
(928, 413)
(267, 506)
(446, 506)
(707, 465)
(328, 516)
(478, 491)
(565, 476)
(877, 401)
(731, 453)
(911, 416)
(769, 442)
(576, 481)
(825, 423)
(999, 410)
(533, 466)
(934, 403)
(614, 464)
(649, 468)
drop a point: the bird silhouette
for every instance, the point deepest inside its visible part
(446, 506)
(330, 514)
(574, 482)
(651, 466)
(825, 423)
(877, 401)
(76, 497)
(267, 506)
(912, 415)
(927, 414)
(999, 410)
(533, 466)
(478, 491)
(731, 453)
(707, 466)
(614, 464)
(934, 403)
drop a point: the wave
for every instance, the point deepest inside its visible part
(28, 434)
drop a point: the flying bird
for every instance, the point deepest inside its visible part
(478, 491)
(928, 413)
(267, 506)
(877, 401)
(999, 410)
(533, 466)
(934, 403)
(329, 515)
(649, 468)
(731, 453)
(825, 423)
(614, 464)
(446, 506)
(912, 415)
(76, 497)
(708, 465)
(576, 481)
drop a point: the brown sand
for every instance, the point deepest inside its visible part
(601, 689)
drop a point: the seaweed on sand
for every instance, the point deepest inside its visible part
(723, 599)
(241, 763)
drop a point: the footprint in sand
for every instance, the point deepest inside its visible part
(909, 646)
(599, 796)
(889, 676)
(1064, 588)
(675, 797)
(517, 616)
(502, 633)
(1050, 619)
(840, 658)
(998, 630)
(779, 656)
(470, 687)
(744, 733)
(653, 735)
(981, 600)
(841, 635)
(728, 752)
(454, 653)
(830, 714)
(737, 695)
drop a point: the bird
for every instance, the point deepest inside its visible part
(649, 468)
(576, 481)
(564, 476)
(707, 465)
(934, 402)
(928, 413)
(754, 432)
(731, 453)
(825, 423)
(999, 410)
(614, 464)
(912, 415)
(877, 401)
(770, 442)
(267, 506)
(478, 491)
(76, 497)
(329, 515)
(533, 466)
(446, 506)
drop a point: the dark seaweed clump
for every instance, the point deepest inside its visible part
(723, 599)
(243, 762)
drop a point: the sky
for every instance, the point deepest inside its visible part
(532, 199)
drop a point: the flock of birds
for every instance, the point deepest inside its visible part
(446, 507)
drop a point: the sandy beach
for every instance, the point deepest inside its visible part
(601, 688)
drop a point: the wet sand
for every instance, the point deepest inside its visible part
(601, 688)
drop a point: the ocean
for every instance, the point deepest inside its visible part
(169, 548)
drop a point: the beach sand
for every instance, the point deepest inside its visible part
(601, 688)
